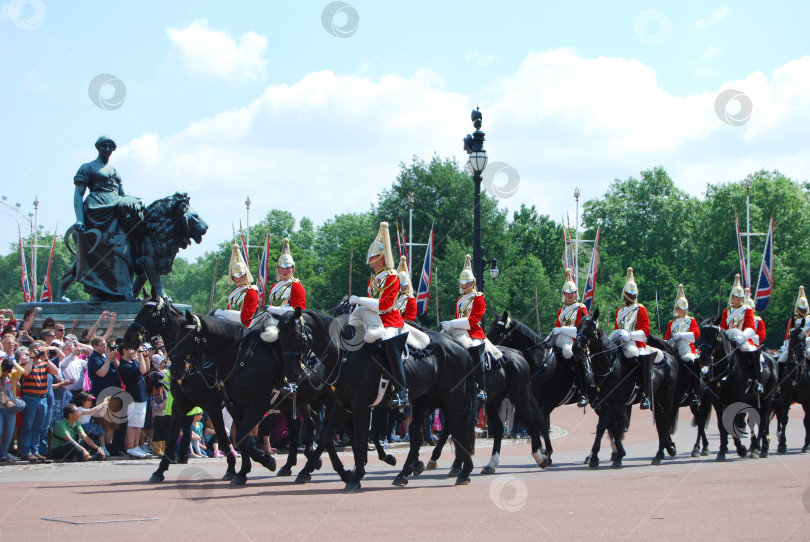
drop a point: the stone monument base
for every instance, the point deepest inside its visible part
(87, 314)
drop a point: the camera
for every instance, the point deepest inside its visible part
(112, 347)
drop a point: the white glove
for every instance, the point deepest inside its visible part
(639, 335)
(554, 331)
(367, 302)
(354, 300)
(568, 331)
(445, 326)
(687, 336)
(675, 337)
(749, 333)
(460, 323)
(218, 312)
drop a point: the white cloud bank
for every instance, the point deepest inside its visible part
(330, 143)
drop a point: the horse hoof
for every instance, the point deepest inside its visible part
(156, 478)
(390, 459)
(431, 465)
(303, 478)
(742, 451)
(453, 472)
(754, 454)
(805, 448)
(587, 460)
(351, 486)
(488, 470)
(239, 480)
(672, 450)
(617, 464)
(656, 461)
(695, 452)
(269, 462)
(463, 481)
(763, 454)
(782, 449)
(720, 457)
(704, 452)
(319, 464)
(284, 471)
(613, 456)
(400, 481)
(546, 463)
(418, 468)
(594, 462)
(228, 476)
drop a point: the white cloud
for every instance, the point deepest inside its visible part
(718, 15)
(329, 143)
(206, 51)
(479, 59)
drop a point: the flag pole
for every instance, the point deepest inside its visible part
(351, 260)
(438, 320)
(213, 286)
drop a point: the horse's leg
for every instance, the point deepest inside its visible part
(379, 419)
(335, 417)
(170, 453)
(215, 415)
(616, 432)
(437, 449)
(593, 461)
(706, 407)
(412, 465)
(310, 426)
(360, 422)
(721, 453)
(661, 417)
(544, 424)
(763, 431)
(530, 412)
(806, 408)
(293, 432)
(492, 407)
(247, 444)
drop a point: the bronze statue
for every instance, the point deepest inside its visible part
(116, 239)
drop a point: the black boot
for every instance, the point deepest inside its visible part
(646, 369)
(756, 367)
(393, 348)
(579, 374)
(478, 354)
(695, 378)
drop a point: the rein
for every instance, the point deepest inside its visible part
(306, 352)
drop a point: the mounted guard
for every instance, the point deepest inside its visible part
(759, 323)
(739, 317)
(287, 292)
(565, 331)
(634, 319)
(466, 327)
(244, 299)
(378, 316)
(406, 302)
(682, 332)
(801, 318)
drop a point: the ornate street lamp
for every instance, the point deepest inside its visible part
(474, 146)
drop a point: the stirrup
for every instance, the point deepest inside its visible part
(481, 396)
(645, 403)
(583, 401)
(399, 399)
(777, 395)
(758, 387)
(290, 388)
(695, 400)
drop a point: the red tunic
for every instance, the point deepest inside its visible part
(298, 297)
(249, 305)
(761, 333)
(388, 314)
(748, 321)
(642, 323)
(409, 311)
(582, 311)
(693, 327)
(479, 306)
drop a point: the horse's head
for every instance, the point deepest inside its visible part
(587, 333)
(294, 342)
(713, 342)
(797, 340)
(499, 331)
(156, 317)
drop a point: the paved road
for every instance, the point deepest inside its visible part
(683, 499)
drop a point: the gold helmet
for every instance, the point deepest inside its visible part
(747, 301)
(569, 286)
(286, 259)
(238, 267)
(382, 247)
(801, 308)
(737, 289)
(680, 300)
(630, 290)
(402, 273)
(467, 275)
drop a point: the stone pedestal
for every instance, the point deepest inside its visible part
(86, 313)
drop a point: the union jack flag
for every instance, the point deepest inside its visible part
(590, 286)
(423, 294)
(264, 270)
(27, 298)
(47, 293)
(765, 282)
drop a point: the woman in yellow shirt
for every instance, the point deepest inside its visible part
(9, 381)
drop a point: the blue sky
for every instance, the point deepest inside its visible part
(225, 100)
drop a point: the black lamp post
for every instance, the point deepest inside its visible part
(474, 146)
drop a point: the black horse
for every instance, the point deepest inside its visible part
(553, 384)
(244, 373)
(795, 386)
(730, 383)
(439, 376)
(189, 388)
(614, 387)
(508, 377)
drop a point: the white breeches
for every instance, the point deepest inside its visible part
(565, 344)
(659, 355)
(368, 320)
(685, 350)
(462, 336)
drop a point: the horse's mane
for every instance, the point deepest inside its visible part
(223, 329)
(321, 318)
(527, 331)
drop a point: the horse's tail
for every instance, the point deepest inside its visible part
(697, 410)
(622, 420)
(470, 415)
(673, 422)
